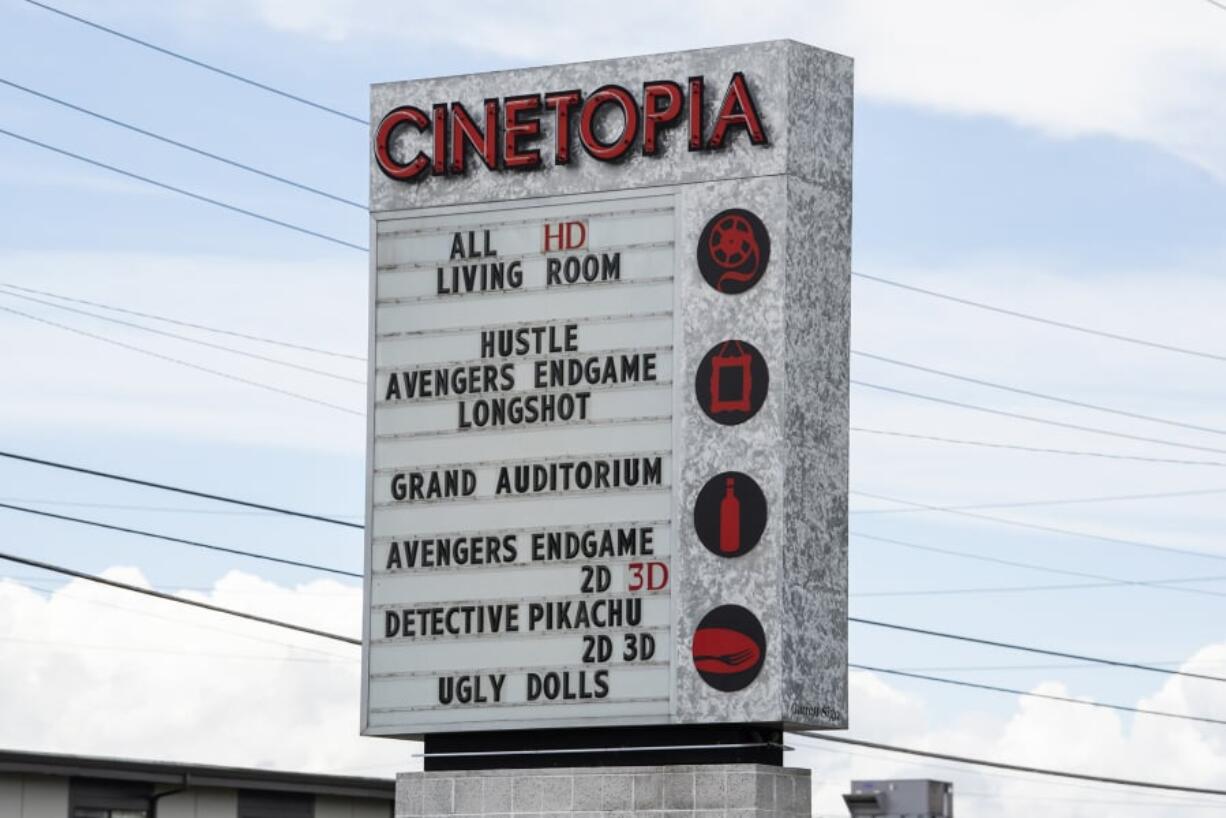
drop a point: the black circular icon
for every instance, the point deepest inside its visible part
(731, 382)
(729, 648)
(730, 514)
(733, 251)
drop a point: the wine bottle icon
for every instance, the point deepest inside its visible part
(730, 514)
(730, 519)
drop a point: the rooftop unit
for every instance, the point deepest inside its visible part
(908, 798)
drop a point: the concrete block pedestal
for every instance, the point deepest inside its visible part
(699, 791)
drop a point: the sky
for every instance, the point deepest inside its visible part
(1064, 158)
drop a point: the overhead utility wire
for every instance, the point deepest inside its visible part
(1132, 802)
(1048, 666)
(251, 657)
(152, 316)
(1007, 589)
(43, 501)
(1040, 395)
(177, 489)
(167, 140)
(1031, 695)
(185, 338)
(1000, 765)
(1027, 649)
(352, 641)
(136, 589)
(60, 593)
(1035, 503)
(198, 197)
(1166, 585)
(277, 623)
(1033, 419)
(1039, 319)
(36, 582)
(1172, 800)
(167, 538)
(181, 362)
(198, 63)
(1050, 529)
(1036, 449)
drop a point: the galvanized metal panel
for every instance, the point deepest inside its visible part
(652, 211)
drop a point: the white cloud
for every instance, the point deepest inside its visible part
(1150, 70)
(102, 671)
(93, 670)
(1037, 733)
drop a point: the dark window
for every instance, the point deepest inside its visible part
(96, 798)
(262, 804)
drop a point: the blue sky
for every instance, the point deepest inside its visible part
(1110, 217)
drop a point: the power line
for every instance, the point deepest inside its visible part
(1037, 449)
(167, 140)
(42, 501)
(199, 64)
(177, 489)
(1039, 319)
(1167, 800)
(198, 197)
(349, 640)
(1050, 666)
(1007, 589)
(1031, 695)
(1217, 3)
(1027, 649)
(181, 362)
(68, 572)
(1012, 797)
(1033, 419)
(31, 581)
(1035, 503)
(261, 339)
(167, 538)
(57, 645)
(1000, 765)
(1042, 396)
(178, 622)
(185, 338)
(1167, 585)
(1049, 529)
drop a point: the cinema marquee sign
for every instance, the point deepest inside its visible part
(608, 397)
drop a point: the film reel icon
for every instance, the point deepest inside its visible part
(734, 250)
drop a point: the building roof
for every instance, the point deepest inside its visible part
(195, 775)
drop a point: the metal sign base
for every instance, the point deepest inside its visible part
(741, 790)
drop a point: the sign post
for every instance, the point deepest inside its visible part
(607, 451)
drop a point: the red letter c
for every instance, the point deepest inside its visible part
(407, 115)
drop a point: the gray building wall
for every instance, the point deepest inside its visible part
(328, 807)
(33, 796)
(200, 804)
(44, 796)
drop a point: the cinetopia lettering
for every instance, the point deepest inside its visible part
(502, 136)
